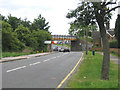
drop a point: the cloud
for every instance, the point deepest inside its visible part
(53, 10)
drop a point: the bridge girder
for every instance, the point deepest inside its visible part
(63, 37)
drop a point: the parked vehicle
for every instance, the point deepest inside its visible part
(64, 49)
(55, 48)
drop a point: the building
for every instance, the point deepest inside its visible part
(111, 35)
(96, 38)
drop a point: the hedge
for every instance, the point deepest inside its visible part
(113, 44)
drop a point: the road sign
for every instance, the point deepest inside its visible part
(47, 42)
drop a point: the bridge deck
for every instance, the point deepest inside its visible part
(63, 37)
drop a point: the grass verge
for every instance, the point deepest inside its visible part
(89, 73)
(115, 54)
(14, 54)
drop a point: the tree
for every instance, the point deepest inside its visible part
(38, 37)
(117, 30)
(13, 21)
(40, 23)
(22, 33)
(10, 42)
(26, 23)
(76, 30)
(3, 18)
(90, 12)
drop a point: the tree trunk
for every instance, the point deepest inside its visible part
(106, 51)
(106, 55)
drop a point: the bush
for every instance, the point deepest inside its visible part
(10, 42)
(113, 44)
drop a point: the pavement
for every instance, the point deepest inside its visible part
(116, 59)
(40, 72)
(7, 59)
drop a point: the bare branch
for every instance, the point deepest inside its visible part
(104, 2)
(113, 9)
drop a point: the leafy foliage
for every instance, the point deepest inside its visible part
(19, 34)
(40, 23)
(37, 38)
(113, 44)
(22, 32)
(13, 21)
(88, 13)
(10, 42)
(117, 30)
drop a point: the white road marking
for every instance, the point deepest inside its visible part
(46, 60)
(34, 63)
(58, 56)
(16, 69)
(53, 58)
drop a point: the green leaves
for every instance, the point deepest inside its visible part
(13, 21)
(117, 30)
(10, 42)
(18, 34)
(22, 32)
(40, 23)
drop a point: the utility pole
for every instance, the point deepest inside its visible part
(86, 40)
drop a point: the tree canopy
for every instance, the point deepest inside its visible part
(40, 23)
(17, 34)
(88, 13)
(117, 30)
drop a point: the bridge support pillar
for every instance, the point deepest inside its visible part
(76, 45)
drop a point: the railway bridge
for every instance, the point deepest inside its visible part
(76, 44)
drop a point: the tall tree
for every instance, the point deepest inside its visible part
(10, 42)
(26, 23)
(117, 30)
(89, 12)
(3, 18)
(22, 33)
(14, 21)
(76, 30)
(40, 23)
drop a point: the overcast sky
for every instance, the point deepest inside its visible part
(54, 11)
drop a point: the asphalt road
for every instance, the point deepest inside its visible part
(39, 72)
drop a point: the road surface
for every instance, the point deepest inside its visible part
(40, 72)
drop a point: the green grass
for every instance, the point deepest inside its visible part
(91, 69)
(115, 54)
(14, 54)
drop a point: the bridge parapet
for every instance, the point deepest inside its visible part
(63, 37)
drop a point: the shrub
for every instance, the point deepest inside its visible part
(113, 44)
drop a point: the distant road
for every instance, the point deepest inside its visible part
(39, 72)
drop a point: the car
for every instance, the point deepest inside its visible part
(55, 48)
(64, 49)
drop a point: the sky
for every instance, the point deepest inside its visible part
(54, 11)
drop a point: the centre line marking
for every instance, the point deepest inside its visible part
(46, 60)
(16, 69)
(58, 56)
(53, 58)
(69, 73)
(34, 63)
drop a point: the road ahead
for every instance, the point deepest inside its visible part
(39, 72)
